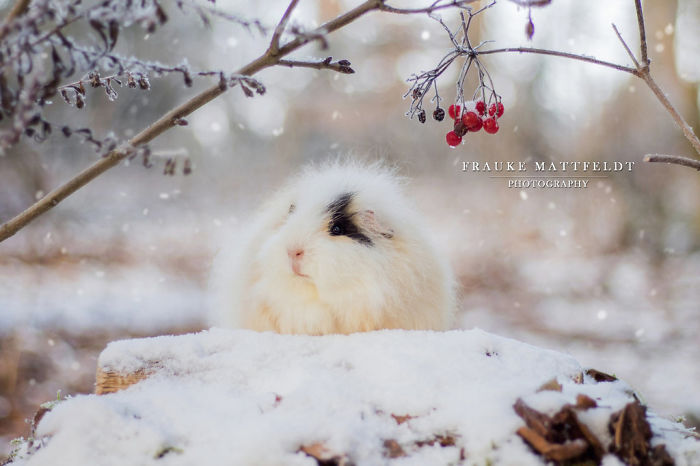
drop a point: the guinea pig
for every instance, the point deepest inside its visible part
(339, 249)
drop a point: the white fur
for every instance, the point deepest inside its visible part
(398, 282)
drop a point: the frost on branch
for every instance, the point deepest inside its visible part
(66, 49)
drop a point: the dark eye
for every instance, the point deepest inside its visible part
(336, 230)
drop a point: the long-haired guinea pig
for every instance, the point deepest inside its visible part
(337, 250)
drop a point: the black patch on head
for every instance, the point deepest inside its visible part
(341, 220)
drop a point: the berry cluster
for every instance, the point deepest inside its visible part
(484, 108)
(471, 116)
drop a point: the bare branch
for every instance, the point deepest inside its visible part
(342, 66)
(53, 198)
(677, 117)
(330, 26)
(644, 73)
(432, 8)
(642, 33)
(675, 159)
(531, 3)
(556, 53)
(624, 44)
(276, 36)
(17, 10)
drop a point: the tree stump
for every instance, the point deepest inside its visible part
(107, 381)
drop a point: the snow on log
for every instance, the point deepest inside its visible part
(224, 397)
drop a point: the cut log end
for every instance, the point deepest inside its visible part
(111, 382)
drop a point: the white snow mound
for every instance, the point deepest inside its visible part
(224, 397)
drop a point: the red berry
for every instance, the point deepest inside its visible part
(452, 139)
(472, 121)
(492, 110)
(481, 107)
(491, 125)
(454, 111)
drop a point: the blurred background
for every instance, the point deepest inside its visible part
(609, 274)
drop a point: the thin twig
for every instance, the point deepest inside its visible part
(342, 66)
(642, 33)
(483, 8)
(330, 26)
(531, 3)
(677, 117)
(624, 44)
(434, 7)
(84, 81)
(453, 37)
(276, 36)
(556, 53)
(643, 71)
(676, 159)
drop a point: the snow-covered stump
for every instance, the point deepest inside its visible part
(241, 397)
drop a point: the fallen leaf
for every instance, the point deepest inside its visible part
(392, 449)
(550, 386)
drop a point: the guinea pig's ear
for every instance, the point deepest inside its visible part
(368, 221)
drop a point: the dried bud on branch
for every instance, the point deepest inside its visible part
(529, 28)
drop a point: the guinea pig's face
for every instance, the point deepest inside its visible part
(331, 248)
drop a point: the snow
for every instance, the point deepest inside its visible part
(241, 397)
(84, 297)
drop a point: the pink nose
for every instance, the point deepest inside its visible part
(295, 253)
(295, 257)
